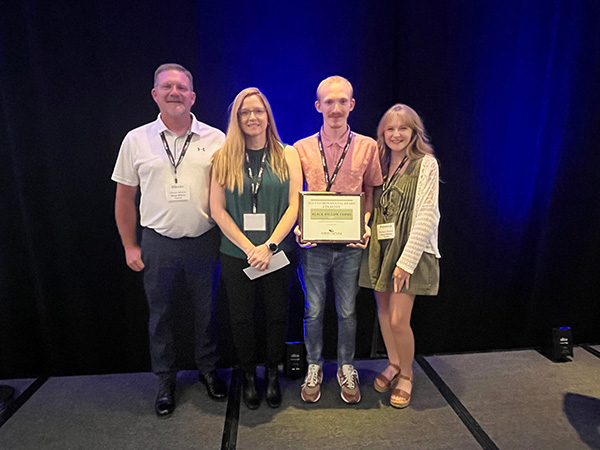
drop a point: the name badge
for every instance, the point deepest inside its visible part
(178, 192)
(386, 231)
(255, 222)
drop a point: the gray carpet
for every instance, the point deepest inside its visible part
(114, 412)
(429, 423)
(522, 400)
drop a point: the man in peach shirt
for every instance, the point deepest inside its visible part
(338, 160)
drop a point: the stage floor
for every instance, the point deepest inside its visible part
(507, 400)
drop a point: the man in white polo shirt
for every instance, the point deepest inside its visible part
(169, 160)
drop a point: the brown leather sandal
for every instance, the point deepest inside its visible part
(404, 397)
(385, 383)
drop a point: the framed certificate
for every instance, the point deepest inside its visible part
(332, 217)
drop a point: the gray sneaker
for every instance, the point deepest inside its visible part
(311, 389)
(347, 378)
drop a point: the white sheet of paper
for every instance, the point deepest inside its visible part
(278, 260)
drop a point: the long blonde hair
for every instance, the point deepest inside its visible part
(228, 161)
(419, 144)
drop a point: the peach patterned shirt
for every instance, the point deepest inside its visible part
(361, 165)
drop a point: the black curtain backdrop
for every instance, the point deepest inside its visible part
(508, 91)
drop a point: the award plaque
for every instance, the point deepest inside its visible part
(331, 217)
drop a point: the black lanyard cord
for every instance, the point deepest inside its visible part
(390, 180)
(387, 187)
(170, 155)
(329, 181)
(254, 186)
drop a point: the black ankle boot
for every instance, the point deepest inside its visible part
(273, 388)
(165, 398)
(249, 391)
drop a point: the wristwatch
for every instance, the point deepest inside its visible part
(272, 246)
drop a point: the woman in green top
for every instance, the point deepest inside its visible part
(402, 259)
(254, 199)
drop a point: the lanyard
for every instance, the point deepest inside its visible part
(170, 155)
(387, 187)
(254, 186)
(390, 180)
(338, 165)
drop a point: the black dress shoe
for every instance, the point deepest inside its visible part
(165, 398)
(214, 385)
(250, 395)
(273, 389)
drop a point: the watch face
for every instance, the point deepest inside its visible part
(273, 247)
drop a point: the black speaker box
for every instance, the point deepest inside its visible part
(562, 344)
(295, 359)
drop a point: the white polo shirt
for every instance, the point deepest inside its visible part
(143, 162)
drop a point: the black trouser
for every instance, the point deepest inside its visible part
(268, 293)
(174, 267)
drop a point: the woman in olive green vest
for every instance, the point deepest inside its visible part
(402, 259)
(254, 200)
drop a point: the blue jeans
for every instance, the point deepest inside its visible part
(343, 263)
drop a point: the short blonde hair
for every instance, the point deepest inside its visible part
(335, 79)
(419, 144)
(229, 160)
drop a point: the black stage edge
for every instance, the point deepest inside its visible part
(472, 425)
(593, 351)
(14, 405)
(232, 416)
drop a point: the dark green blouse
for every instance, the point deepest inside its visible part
(273, 201)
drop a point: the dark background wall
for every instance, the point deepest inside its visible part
(508, 91)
